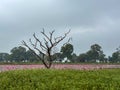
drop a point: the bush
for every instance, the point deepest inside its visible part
(43, 79)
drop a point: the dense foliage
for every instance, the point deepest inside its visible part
(42, 79)
(67, 51)
(94, 55)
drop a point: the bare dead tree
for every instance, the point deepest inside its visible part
(43, 49)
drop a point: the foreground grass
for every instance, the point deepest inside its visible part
(42, 79)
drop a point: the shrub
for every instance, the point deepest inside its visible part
(43, 79)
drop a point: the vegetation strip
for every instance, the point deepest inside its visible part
(59, 66)
(53, 79)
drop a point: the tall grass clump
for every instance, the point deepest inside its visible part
(43, 79)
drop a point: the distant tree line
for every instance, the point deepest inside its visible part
(94, 55)
(18, 54)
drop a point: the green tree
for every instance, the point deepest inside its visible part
(95, 53)
(74, 57)
(18, 54)
(67, 51)
(82, 57)
(30, 56)
(57, 57)
(4, 57)
(116, 56)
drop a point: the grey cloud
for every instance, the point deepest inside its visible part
(94, 21)
(70, 13)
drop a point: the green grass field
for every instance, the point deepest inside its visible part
(43, 79)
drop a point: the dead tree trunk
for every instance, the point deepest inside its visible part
(42, 50)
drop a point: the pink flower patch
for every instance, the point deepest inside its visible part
(59, 66)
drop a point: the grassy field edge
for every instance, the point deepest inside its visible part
(53, 79)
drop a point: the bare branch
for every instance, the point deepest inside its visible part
(59, 39)
(25, 44)
(67, 41)
(49, 43)
(34, 45)
(50, 37)
(41, 45)
(51, 34)
(43, 32)
(46, 43)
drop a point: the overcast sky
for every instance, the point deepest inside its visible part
(90, 21)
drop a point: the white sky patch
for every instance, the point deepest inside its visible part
(81, 30)
(106, 21)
